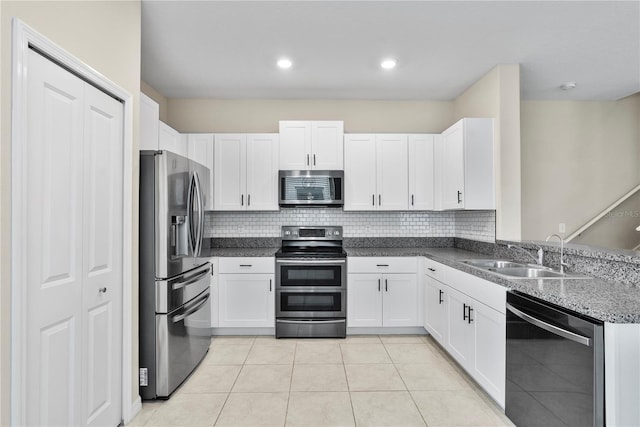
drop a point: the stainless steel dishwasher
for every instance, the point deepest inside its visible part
(555, 365)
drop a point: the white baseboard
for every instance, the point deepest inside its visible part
(135, 407)
(417, 330)
(243, 331)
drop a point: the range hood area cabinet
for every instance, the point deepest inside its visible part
(376, 175)
(306, 145)
(246, 172)
(466, 165)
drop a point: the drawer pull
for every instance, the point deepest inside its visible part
(246, 265)
(431, 269)
(382, 265)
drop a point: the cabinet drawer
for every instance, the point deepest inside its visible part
(382, 265)
(234, 265)
(435, 269)
(488, 293)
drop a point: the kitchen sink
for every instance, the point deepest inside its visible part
(527, 272)
(518, 270)
(493, 263)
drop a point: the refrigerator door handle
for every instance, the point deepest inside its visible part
(190, 201)
(200, 231)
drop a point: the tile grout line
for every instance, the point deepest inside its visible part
(234, 382)
(293, 364)
(346, 379)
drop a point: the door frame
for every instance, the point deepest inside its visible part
(24, 36)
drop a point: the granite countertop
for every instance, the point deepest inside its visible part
(603, 300)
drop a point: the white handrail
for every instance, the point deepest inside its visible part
(602, 214)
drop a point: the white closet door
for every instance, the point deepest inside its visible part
(74, 196)
(102, 272)
(54, 244)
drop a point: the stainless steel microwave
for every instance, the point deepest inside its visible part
(306, 188)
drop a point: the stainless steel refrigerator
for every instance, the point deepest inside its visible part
(175, 303)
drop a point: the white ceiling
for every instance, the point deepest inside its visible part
(228, 49)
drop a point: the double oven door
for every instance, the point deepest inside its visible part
(311, 288)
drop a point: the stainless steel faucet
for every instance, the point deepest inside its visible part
(562, 263)
(540, 252)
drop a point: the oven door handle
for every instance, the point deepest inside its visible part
(549, 327)
(308, 321)
(310, 261)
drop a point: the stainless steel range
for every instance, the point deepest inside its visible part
(311, 283)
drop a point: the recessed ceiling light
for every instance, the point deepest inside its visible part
(284, 63)
(568, 86)
(388, 64)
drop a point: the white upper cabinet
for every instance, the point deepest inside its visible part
(311, 145)
(467, 176)
(421, 172)
(200, 147)
(149, 118)
(262, 172)
(246, 172)
(393, 176)
(376, 176)
(170, 139)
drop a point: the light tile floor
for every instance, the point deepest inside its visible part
(361, 380)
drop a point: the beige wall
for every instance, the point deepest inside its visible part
(497, 95)
(156, 96)
(219, 115)
(106, 36)
(578, 158)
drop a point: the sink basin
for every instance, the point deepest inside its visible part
(492, 263)
(527, 272)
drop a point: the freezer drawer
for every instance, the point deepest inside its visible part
(183, 338)
(175, 292)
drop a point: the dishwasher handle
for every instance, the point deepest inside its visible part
(549, 327)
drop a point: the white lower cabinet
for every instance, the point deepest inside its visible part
(375, 300)
(471, 329)
(435, 309)
(246, 293)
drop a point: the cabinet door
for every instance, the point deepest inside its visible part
(230, 174)
(149, 119)
(246, 300)
(490, 356)
(200, 147)
(364, 300)
(262, 172)
(295, 145)
(453, 191)
(360, 173)
(460, 334)
(327, 145)
(170, 139)
(435, 309)
(392, 174)
(421, 172)
(400, 300)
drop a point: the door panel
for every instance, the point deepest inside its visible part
(436, 309)
(360, 173)
(54, 238)
(102, 272)
(262, 172)
(57, 403)
(393, 175)
(460, 335)
(400, 300)
(247, 300)
(453, 173)
(327, 145)
(421, 172)
(295, 145)
(230, 175)
(364, 300)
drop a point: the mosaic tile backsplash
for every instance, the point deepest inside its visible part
(474, 225)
